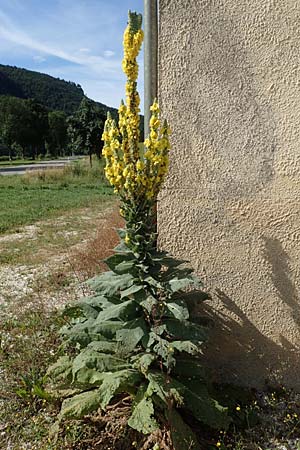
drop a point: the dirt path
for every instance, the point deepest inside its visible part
(43, 262)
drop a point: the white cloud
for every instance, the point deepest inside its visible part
(11, 33)
(39, 58)
(85, 50)
(108, 53)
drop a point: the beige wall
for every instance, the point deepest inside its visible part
(230, 88)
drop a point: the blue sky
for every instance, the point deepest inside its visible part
(77, 40)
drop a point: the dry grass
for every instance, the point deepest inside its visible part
(88, 261)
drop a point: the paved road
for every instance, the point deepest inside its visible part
(20, 170)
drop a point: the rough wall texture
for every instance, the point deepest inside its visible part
(230, 88)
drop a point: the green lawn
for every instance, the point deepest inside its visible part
(23, 162)
(26, 199)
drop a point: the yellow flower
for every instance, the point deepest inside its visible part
(218, 444)
(127, 239)
(238, 408)
(140, 165)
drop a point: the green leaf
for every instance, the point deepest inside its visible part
(88, 331)
(149, 303)
(121, 263)
(79, 333)
(110, 284)
(98, 302)
(89, 377)
(122, 248)
(176, 273)
(61, 369)
(153, 282)
(131, 334)
(185, 330)
(80, 404)
(203, 407)
(166, 387)
(106, 329)
(124, 311)
(179, 284)
(177, 309)
(182, 436)
(103, 346)
(102, 362)
(144, 362)
(131, 290)
(190, 368)
(118, 382)
(186, 346)
(195, 296)
(142, 417)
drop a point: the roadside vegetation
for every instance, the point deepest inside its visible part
(43, 194)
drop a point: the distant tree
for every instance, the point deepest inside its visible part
(85, 128)
(23, 125)
(57, 138)
(37, 128)
(14, 116)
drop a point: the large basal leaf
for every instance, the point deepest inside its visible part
(198, 400)
(80, 404)
(89, 377)
(142, 417)
(131, 290)
(107, 329)
(99, 301)
(182, 436)
(80, 333)
(124, 381)
(190, 368)
(103, 346)
(124, 311)
(122, 248)
(91, 306)
(110, 284)
(88, 331)
(186, 331)
(102, 362)
(177, 309)
(165, 387)
(144, 362)
(131, 334)
(121, 263)
(61, 370)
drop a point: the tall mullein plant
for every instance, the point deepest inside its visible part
(136, 170)
(138, 334)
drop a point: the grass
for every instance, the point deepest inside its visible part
(35, 196)
(23, 162)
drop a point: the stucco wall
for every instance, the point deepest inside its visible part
(230, 88)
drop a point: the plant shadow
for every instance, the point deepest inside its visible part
(244, 354)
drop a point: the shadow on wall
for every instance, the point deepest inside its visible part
(239, 341)
(279, 261)
(239, 350)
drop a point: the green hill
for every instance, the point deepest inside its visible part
(54, 93)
